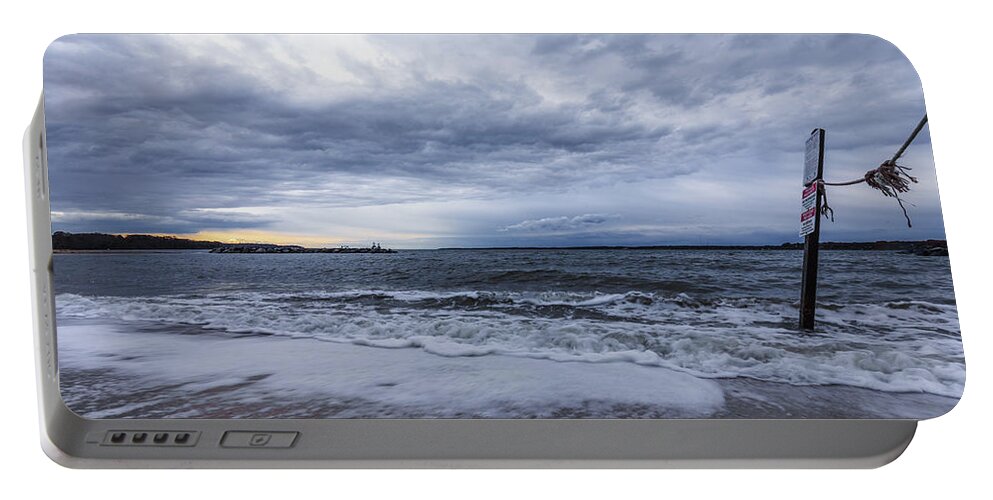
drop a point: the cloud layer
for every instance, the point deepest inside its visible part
(562, 224)
(476, 140)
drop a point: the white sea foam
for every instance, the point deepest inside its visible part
(375, 382)
(897, 346)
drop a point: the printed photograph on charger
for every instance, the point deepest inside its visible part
(496, 226)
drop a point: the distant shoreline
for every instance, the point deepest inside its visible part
(830, 245)
(70, 251)
(63, 242)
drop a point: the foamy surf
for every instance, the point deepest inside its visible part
(117, 371)
(900, 346)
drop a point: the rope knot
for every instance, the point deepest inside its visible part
(891, 179)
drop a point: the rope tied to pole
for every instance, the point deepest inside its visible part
(889, 178)
(826, 211)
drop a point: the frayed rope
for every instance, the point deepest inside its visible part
(889, 178)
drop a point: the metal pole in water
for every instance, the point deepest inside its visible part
(810, 225)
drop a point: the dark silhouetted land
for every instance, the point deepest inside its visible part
(920, 247)
(82, 242)
(100, 241)
(63, 241)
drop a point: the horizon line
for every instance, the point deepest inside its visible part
(677, 246)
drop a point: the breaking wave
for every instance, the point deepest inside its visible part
(900, 346)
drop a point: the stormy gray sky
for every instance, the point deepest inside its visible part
(499, 140)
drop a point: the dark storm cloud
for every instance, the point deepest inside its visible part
(181, 134)
(168, 129)
(859, 86)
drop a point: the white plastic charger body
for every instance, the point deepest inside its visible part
(78, 442)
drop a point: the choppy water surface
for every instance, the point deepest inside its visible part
(886, 320)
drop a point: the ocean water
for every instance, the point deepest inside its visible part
(886, 324)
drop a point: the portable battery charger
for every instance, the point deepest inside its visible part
(486, 251)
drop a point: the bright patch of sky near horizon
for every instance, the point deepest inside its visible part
(496, 140)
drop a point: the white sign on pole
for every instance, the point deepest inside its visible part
(808, 210)
(811, 158)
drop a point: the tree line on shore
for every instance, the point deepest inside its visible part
(100, 241)
(64, 241)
